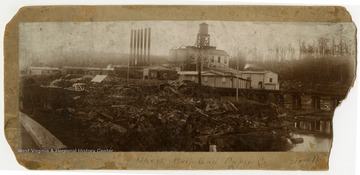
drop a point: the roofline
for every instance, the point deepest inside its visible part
(217, 75)
(37, 67)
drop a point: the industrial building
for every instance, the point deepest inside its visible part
(146, 72)
(65, 70)
(139, 60)
(189, 57)
(160, 73)
(225, 78)
(213, 79)
(32, 70)
(215, 66)
(259, 79)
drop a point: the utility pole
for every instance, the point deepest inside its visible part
(237, 60)
(199, 67)
(131, 57)
(237, 89)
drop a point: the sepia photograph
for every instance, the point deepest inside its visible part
(182, 86)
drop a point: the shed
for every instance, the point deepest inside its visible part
(160, 72)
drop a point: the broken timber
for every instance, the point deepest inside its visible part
(42, 137)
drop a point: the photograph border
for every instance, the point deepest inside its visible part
(155, 160)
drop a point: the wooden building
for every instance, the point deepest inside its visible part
(259, 79)
(160, 73)
(31, 70)
(213, 79)
(262, 79)
(65, 70)
(187, 57)
(146, 72)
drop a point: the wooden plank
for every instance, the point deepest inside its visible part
(42, 137)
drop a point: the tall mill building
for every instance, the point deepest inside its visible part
(188, 57)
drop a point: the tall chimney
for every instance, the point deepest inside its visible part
(134, 49)
(148, 58)
(141, 61)
(131, 48)
(145, 46)
(137, 47)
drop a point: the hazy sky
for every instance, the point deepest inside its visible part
(53, 40)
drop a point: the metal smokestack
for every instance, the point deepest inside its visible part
(131, 48)
(141, 61)
(134, 48)
(137, 47)
(145, 46)
(140, 47)
(148, 55)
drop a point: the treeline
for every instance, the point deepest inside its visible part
(309, 69)
(321, 70)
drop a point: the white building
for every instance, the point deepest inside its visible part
(261, 79)
(189, 55)
(213, 79)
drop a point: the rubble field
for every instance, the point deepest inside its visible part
(142, 115)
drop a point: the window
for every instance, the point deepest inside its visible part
(225, 60)
(270, 80)
(223, 79)
(219, 59)
(205, 79)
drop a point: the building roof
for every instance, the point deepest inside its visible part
(226, 70)
(43, 68)
(93, 68)
(88, 68)
(218, 52)
(208, 73)
(99, 78)
(195, 73)
(159, 67)
(236, 72)
(256, 72)
(73, 67)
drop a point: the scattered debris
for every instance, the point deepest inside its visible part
(77, 87)
(166, 116)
